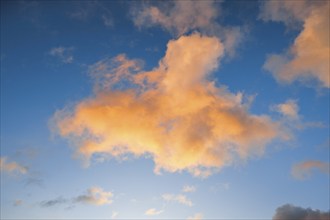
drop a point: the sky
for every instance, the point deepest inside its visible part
(165, 110)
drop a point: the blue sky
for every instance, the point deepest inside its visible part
(160, 110)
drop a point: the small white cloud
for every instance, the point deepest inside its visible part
(153, 212)
(182, 199)
(12, 167)
(188, 188)
(114, 214)
(64, 54)
(197, 216)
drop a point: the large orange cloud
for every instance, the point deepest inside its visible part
(308, 57)
(174, 113)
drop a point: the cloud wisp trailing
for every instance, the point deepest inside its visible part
(173, 113)
(182, 17)
(153, 211)
(93, 196)
(290, 212)
(12, 167)
(64, 54)
(308, 57)
(189, 189)
(304, 169)
(179, 198)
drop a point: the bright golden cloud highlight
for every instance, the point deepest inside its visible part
(11, 167)
(308, 57)
(304, 169)
(174, 113)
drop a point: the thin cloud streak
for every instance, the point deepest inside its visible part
(304, 169)
(182, 199)
(153, 211)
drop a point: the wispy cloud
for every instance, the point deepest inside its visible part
(180, 198)
(114, 214)
(183, 121)
(18, 202)
(288, 212)
(95, 196)
(86, 10)
(197, 216)
(188, 188)
(53, 202)
(182, 17)
(12, 167)
(153, 211)
(64, 54)
(304, 169)
(308, 57)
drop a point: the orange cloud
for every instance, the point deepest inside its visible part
(303, 170)
(174, 113)
(12, 167)
(308, 57)
(288, 109)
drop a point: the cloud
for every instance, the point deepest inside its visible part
(12, 167)
(64, 54)
(304, 169)
(95, 196)
(182, 17)
(182, 199)
(153, 212)
(173, 114)
(197, 216)
(308, 57)
(189, 188)
(114, 214)
(87, 10)
(288, 109)
(18, 202)
(178, 18)
(53, 202)
(289, 212)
